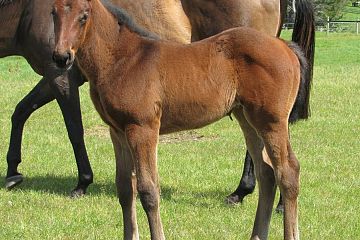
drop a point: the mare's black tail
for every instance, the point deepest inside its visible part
(304, 36)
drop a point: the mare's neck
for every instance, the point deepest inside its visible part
(166, 18)
(10, 16)
(106, 44)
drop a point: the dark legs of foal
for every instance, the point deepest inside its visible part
(67, 95)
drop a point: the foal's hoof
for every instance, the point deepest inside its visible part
(77, 193)
(13, 181)
(279, 209)
(233, 199)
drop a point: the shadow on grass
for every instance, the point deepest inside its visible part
(59, 185)
(62, 186)
(193, 197)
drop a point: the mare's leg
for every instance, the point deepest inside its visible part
(247, 182)
(280, 205)
(39, 96)
(143, 142)
(67, 95)
(264, 175)
(66, 91)
(126, 184)
(247, 185)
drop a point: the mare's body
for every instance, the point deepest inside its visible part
(143, 87)
(28, 31)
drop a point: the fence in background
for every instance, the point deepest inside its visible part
(333, 26)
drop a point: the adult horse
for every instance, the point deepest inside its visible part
(27, 30)
(143, 87)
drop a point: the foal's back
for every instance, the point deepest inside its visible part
(213, 76)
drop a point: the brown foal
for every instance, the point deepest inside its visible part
(143, 87)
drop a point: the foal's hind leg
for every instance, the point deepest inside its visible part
(143, 142)
(247, 185)
(126, 184)
(287, 177)
(286, 167)
(264, 175)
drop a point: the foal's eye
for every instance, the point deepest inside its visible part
(53, 11)
(83, 18)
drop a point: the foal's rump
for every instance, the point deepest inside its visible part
(204, 81)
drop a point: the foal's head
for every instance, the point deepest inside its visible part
(71, 20)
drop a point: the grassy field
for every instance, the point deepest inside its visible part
(351, 13)
(195, 175)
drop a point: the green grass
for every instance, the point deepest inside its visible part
(351, 13)
(195, 175)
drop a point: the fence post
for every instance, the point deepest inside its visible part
(357, 27)
(328, 26)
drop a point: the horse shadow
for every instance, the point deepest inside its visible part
(61, 186)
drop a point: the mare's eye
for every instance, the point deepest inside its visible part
(83, 18)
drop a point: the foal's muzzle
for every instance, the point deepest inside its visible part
(63, 59)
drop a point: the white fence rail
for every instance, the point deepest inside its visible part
(333, 26)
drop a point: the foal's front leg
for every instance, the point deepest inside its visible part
(125, 184)
(143, 142)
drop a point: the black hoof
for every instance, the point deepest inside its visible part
(77, 193)
(13, 181)
(279, 209)
(233, 199)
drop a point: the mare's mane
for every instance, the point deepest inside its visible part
(124, 19)
(5, 2)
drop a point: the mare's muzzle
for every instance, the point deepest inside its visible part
(63, 59)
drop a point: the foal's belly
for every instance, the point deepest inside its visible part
(197, 111)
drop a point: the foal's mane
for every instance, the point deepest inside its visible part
(124, 19)
(5, 2)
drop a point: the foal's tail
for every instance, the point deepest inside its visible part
(304, 36)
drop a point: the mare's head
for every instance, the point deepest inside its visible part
(71, 20)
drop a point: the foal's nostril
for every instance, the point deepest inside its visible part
(68, 59)
(62, 60)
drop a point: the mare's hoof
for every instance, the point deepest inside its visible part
(77, 193)
(279, 209)
(13, 181)
(233, 199)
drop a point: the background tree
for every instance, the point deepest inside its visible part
(332, 9)
(323, 9)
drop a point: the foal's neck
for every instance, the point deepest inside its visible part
(106, 43)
